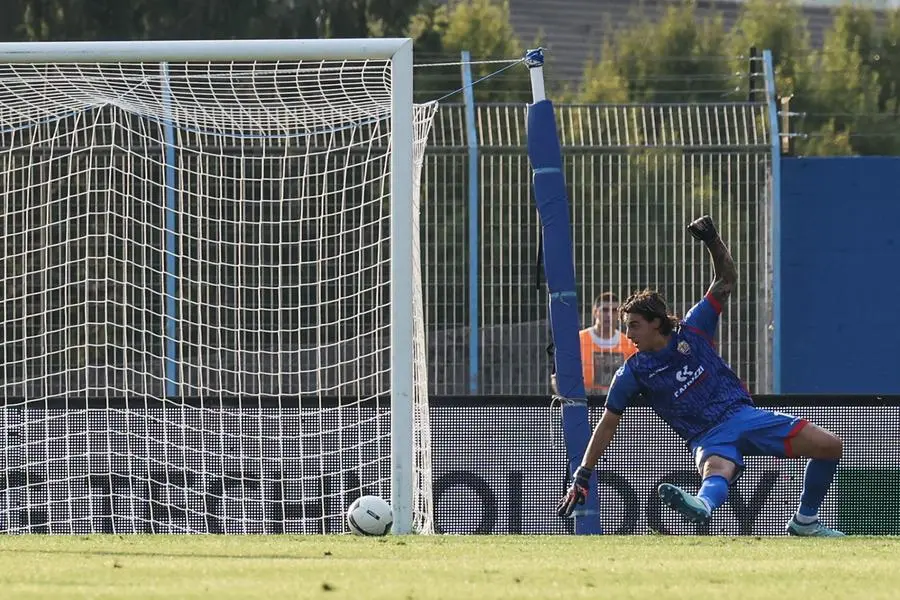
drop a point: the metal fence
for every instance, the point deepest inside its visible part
(636, 176)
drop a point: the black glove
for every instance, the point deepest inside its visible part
(577, 493)
(703, 229)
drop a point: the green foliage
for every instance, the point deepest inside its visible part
(844, 97)
(604, 83)
(776, 25)
(885, 60)
(826, 141)
(678, 59)
(848, 91)
(849, 94)
(205, 19)
(483, 28)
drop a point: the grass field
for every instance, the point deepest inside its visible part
(658, 567)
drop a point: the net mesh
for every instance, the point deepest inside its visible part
(209, 234)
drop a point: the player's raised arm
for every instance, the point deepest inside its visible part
(725, 279)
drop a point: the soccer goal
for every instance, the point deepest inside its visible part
(212, 307)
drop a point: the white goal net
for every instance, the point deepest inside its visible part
(197, 296)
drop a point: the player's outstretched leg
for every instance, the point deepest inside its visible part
(717, 471)
(825, 450)
(693, 508)
(816, 481)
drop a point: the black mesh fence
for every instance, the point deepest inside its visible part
(277, 465)
(500, 468)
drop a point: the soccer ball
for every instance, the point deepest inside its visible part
(370, 515)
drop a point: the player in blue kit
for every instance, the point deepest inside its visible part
(679, 372)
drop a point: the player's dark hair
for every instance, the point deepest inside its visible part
(650, 305)
(605, 297)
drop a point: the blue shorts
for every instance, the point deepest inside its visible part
(749, 432)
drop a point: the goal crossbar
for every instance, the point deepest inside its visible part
(200, 50)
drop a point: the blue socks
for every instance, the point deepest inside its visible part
(714, 491)
(816, 481)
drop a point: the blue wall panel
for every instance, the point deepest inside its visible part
(840, 275)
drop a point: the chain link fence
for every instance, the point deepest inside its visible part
(636, 176)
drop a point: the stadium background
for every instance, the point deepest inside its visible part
(634, 174)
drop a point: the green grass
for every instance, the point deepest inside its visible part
(656, 567)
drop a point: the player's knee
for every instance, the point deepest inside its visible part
(717, 465)
(835, 447)
(816, 442)
(831, 447)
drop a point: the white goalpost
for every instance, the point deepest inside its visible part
(211, 291)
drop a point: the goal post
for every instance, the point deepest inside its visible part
(203, 226)
(402, 302)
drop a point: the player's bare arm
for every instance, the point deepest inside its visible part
(725, 277)
(600, 440)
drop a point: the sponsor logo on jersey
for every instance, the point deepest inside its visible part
(688, 378)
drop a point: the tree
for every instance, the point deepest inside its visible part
(678, 59)
(885, 60)
(844, 98)
(11, 27)
(208, 19)
(483, 28)
(779, 26)
(53, 20)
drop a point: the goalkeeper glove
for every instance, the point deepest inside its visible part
(703, 229)
(577, 493)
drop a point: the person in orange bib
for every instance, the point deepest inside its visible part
(603, 346)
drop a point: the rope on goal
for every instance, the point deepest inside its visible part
(510, 63)
(498, 61)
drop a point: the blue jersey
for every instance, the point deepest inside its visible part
(687, 383)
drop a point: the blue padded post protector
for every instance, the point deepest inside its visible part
(559, 269)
